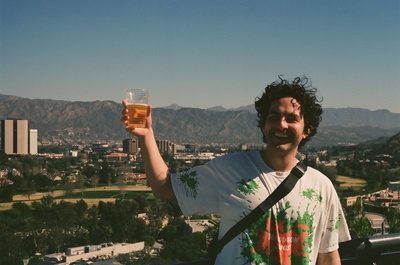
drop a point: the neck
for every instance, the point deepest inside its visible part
(282, 163)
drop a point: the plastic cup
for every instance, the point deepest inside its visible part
(137, 102)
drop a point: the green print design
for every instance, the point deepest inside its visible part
(250, 237)
(312, 195)
(190, 182)
(278, 239)
(335, 224)
(247, 187)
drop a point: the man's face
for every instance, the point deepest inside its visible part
(284, 126)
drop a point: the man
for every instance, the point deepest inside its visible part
(305, 227)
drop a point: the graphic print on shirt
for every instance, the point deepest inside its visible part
(335, 224)
(190, 183)
(311, 194)
(247, 186)
(281, 238)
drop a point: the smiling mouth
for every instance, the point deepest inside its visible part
(281, 135)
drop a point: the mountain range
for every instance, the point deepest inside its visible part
(75, 122)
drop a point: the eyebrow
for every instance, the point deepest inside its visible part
(274, 112)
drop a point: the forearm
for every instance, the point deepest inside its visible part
(156, 170)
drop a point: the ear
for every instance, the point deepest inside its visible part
(306, 133)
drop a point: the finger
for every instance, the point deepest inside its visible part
(125, 110)
(130, 128)
(149, 108)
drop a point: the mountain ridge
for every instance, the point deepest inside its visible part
(68, 121)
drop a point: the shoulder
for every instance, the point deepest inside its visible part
(237, 158)
(315, 172)
(235, 164)
(239, 155)
(317, 176)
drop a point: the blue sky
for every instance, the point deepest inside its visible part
(201, 53)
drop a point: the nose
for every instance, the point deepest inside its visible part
(282, 123)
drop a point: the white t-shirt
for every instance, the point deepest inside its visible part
(308, 221)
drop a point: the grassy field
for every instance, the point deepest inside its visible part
(347, 182)
(92, 196)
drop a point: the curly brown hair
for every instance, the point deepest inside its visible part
(301, 90)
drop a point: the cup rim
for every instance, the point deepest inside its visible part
(136, 89)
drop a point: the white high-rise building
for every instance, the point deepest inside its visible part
(7, 136)
(16, 137)
(33, 141)
(22, 131)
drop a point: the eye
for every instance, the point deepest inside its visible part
(274, 118)
(292, 119)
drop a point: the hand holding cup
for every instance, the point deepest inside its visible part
(136, 113)
(137, 105)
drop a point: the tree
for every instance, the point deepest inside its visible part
(60, 223)
(68, 186)
(186, 247)
(156, 213)
(37, 235)
(80, 183)
(121, 219)
(43, 210)
(393, 220)
(359, 225)
(121, 186)
(34, 261)
(89, 171)
(142, 202)
(106, 174)
(181, 244)
(11, 260)
(330, 172)
(81, 209)
(6, 191)
(98, 231)
(28, 186)
(3, 159)
(42, 181)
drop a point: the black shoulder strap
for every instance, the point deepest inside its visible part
(281, 191)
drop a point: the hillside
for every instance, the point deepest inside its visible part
(392, 146)
(99, 121)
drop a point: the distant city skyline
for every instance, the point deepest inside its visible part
(201, 53)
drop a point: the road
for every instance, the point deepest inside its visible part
(107, 262)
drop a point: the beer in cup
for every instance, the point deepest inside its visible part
(137, 100)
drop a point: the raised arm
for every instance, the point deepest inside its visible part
(156, 170)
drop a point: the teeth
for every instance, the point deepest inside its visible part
(281, 135)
